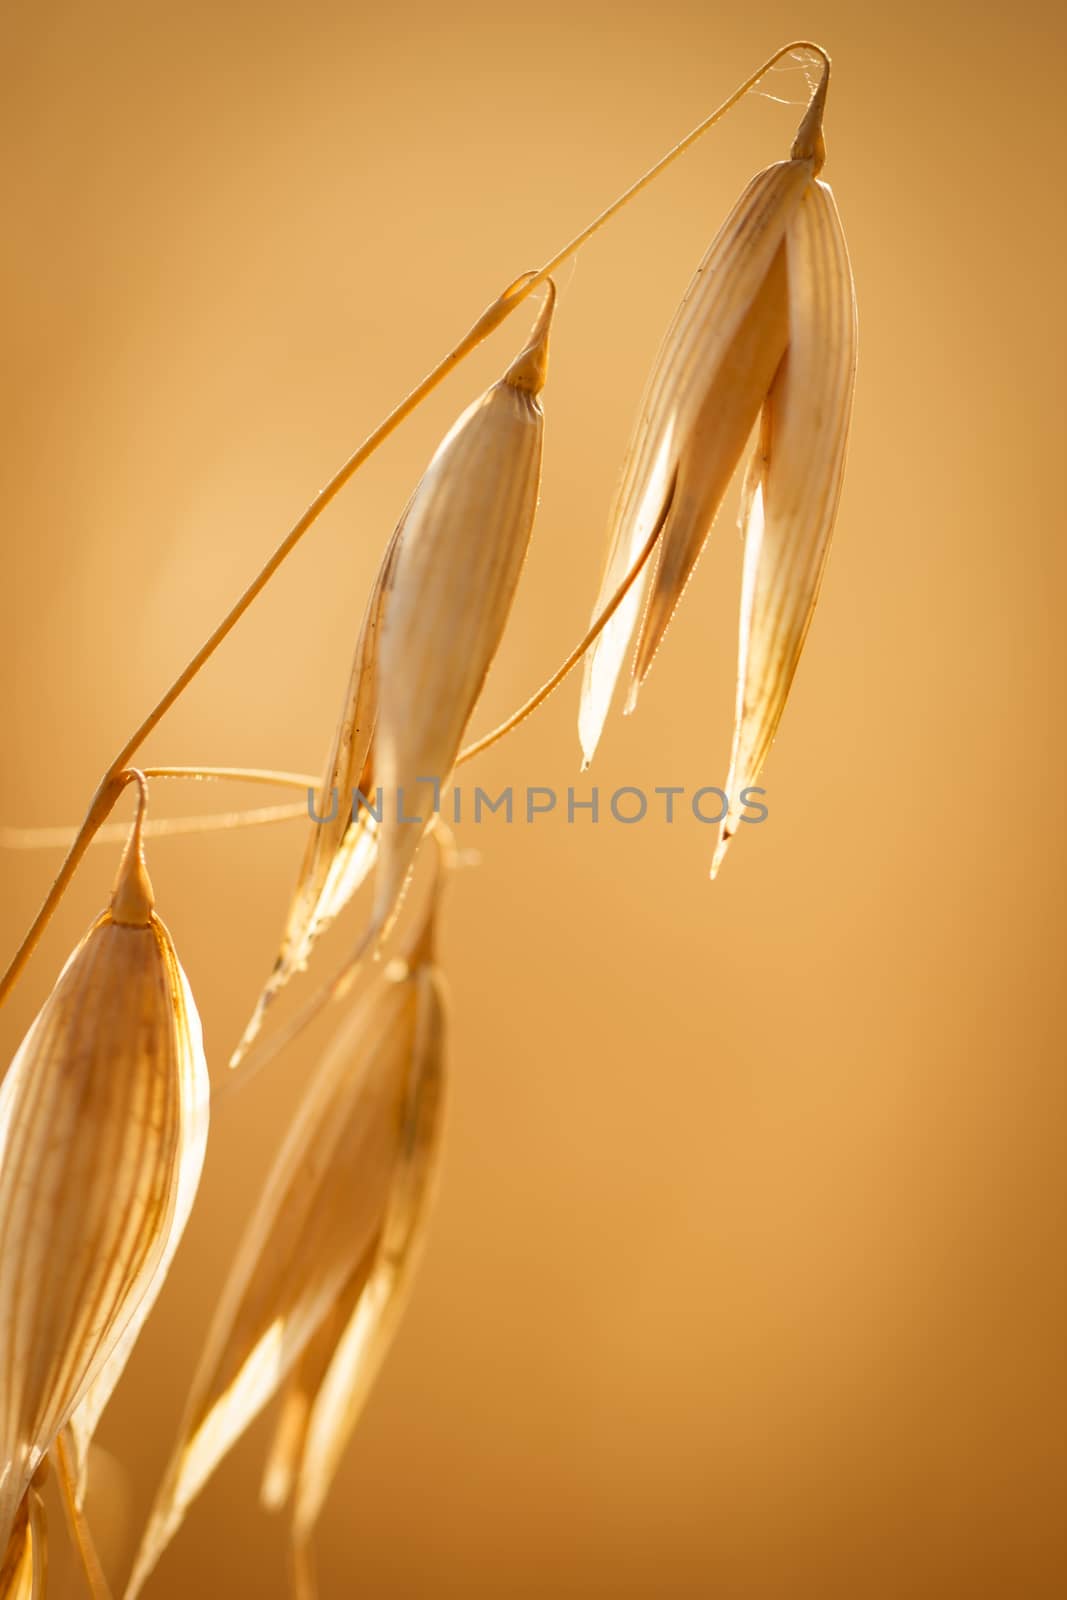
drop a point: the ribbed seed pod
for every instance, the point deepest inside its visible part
(465, 537)
(701, 400)
(430, 631)
(313, 1243)
(103, 1124)
(340, 1396)
(793, 485)
(767, 330)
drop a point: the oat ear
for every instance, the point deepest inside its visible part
(699, 403)
(430, 630)
(103, 1121)
(465, 539)
(793, 486)
(342, 1391)
(308, 1247)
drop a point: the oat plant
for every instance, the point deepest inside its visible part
(104, 1109)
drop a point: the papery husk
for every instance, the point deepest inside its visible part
(103, 1125)
(430, 631)
(699, 404)
(310, 1245)
(341, 1394)
(793, 486)
(465, 537)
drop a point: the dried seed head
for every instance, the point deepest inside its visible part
(430, 630)
(767, 329)
(465, 536)
(793, 485)
(339, 1398)
(699, 405)
(103, 1121)
(314, 1239)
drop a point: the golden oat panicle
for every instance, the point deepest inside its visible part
(793, 485)
(699, 405)
(465, 537)
(310, 1246)
(103, 1123)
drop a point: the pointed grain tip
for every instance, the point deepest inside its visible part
(810, 144)
(720, 854)
(132, 898)
(530, 368)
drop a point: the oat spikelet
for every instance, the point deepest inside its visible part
(701, 400)
(767, 330)
(312, 1244)
(465, 537)
(431, 628)
(103, 1123)
(793, 484)
(342, 1392)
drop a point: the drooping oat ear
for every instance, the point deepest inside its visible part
(730, 320)
(343, 1390)
(337, 1370)
(103, 1122)
(342, 834)
(430, 630)
(24, 1569)
(466, 534)
(793, 486)
(310, 1245)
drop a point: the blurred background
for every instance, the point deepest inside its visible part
(747, 1275)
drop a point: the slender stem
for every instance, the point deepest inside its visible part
(217, 822)
(491, 318)
(302, 1567)
(267, 775)
(81, 1536)
(681, 147)
(161, 828)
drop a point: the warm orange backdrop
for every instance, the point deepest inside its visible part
(747, 1276)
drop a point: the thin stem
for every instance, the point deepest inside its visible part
(161, 828)
(81, 1536)
(216, 822)
(491, 318)
(266, 775)
(302, 1561)
(681, 147)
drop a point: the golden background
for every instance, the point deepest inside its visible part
(747, 1276)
